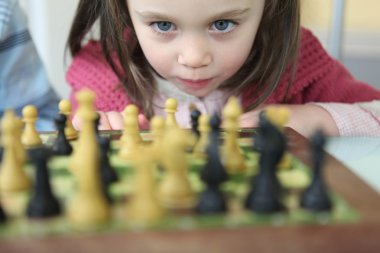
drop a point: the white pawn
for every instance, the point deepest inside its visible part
(30, 136)
(233, 158)
(175, 190)
(88, 207)
(12, 175)
(171, 105)
(199, 150)
(144, 206)
(65, 108)
(21, 153)
(132, 111)
(157, 126)
(131, 139)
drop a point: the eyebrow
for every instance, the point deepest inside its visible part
(159, 16)
(230, 14)
(154, 15)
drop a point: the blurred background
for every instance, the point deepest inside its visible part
(349, 29)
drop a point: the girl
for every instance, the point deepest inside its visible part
(203, 52)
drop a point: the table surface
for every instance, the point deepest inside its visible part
(359, 154)
(356, 179)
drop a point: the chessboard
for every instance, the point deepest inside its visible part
(352, 225)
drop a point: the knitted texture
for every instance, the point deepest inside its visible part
(90, 69)
(318, 78)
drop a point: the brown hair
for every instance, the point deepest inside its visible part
(274, 49)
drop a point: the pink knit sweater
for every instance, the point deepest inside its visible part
(319, 78)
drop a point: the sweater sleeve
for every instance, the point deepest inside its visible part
(89, 69)
(357, 119)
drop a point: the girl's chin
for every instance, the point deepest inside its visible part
(196, 93)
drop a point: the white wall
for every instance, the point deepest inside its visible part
(361, 37)
(49, 22)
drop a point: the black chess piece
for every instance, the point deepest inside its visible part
(43, 203)
(265, 195)
(194, 115)
(212, 200)
(108, 174)
(3, 216)
(215, 122)
(96, 127)
(61, 145)
(258, 137)
(1, 154)
(316, 197)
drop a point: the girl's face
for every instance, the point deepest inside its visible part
(196, 44)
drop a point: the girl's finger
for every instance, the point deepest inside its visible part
(115, 120)
(103, 122)
(143, 122)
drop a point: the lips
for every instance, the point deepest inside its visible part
(196, 84)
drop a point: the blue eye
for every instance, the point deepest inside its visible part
(163, 26)
(223, 25)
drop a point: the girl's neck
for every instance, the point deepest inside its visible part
(213, 102)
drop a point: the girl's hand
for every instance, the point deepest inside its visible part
(305, 119)
(112, 121)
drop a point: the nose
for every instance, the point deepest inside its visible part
(195, 53)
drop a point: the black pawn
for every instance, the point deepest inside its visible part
(3, 217)
(61, 145)
(42, 203)
(96, 127)
(108, 174)
(258, 137)
(265, 194)
(194, 115)
(212, 200)
(315, 197)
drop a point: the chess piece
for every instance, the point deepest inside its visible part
(194, 116)
(3, 216)
(131, 139)
(175, 190)
(88, 207)
(43, 203)
(108, 174)
(61, 145)
(132, 111)
(65, 108)
(157, 126)
(265, 194)
(96, 127)
(21, 154)
(30, 137)
(213, 174)
(233, 158)
(316, 197)
(171, 105)
(199, 149)
(279, 116)
(12, 176)
(258, 140)
(144, 205)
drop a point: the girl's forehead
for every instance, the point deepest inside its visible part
(194, 10)
(193, 7)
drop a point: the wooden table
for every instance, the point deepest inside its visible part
(363, 236)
